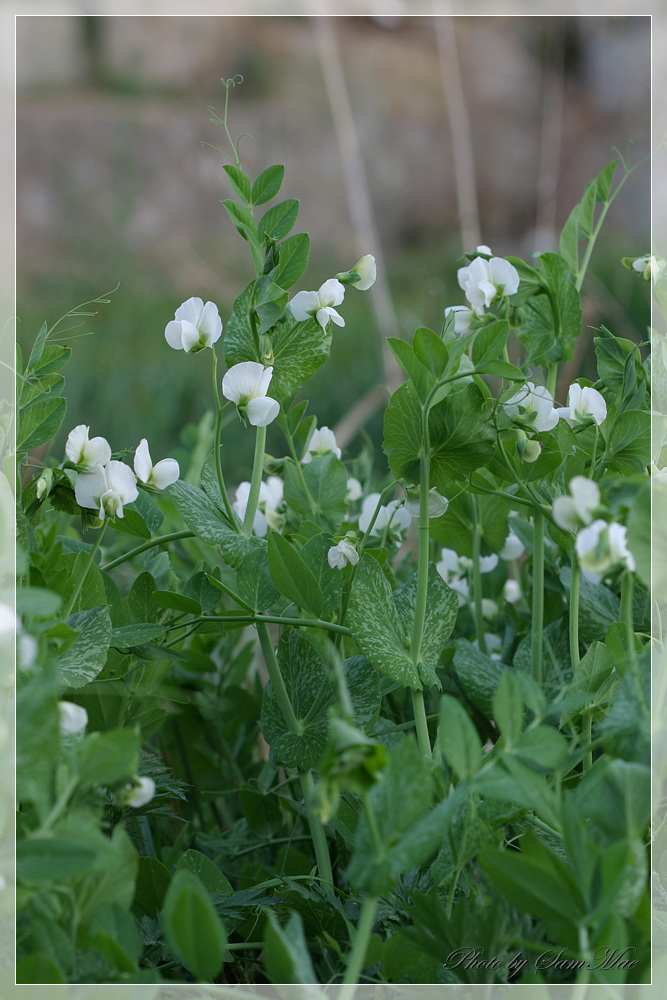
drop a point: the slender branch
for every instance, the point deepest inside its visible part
(218, 443)
(477, 577)
(158, 540)
(84, 573)
(316, 829)
(574, 608)
(277, 620)
(256, 481)
(538, 596)
(422, 583)
(358, 956)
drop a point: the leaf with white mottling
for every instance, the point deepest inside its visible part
(84, 660)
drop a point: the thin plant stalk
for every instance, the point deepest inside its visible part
(477, 576)
(256, 481)
(574, 608)
(360, 947)
(538, 596)
(89, 562)
(158, 540)
(422, 586)
(219, 408)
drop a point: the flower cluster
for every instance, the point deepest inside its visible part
(454, 570)
(107, 485)
(392, 518)
(321, 305)
(484, 280)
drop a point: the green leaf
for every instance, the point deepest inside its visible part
(489, 342)
(628, 442)
(115, 934)
(420, 376)
(501, 369)
(605, 179)
(135, 635)
(325, 479)
(239, 181)
(639, 533)
(208, 522)
(442, 608)
(45, 385)
(39, 421)
(53, 359)
(92, 593)
(508, 708)
(461, 434)
(37, 602)
(569, 241)
(376, 625)
(142, 517)
(286, 951)
(430, 351)
(269, 301)
(38, 969)
(107, 758)
(192, 928)
(278, 221)
(409, 830)
(315, 555)
(83, 661)
(176, 602)
(140, 599)
(242, 219)
(291, 575)
(51, 859)
(626, 730)
(550, 324)
(542, 748)
(153, 880)
(208, 873)
(299, 349)
(312, 695)
(38, 349)
(293, 256)
(478, 674)
(455, 528)
(254, 581)
(267, 184)
(517, 783)
(458, 739)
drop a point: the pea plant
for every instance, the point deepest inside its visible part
(310, 728)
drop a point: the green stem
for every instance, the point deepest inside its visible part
(422, 584)
(158, 540)
(538, 596)
(316, 829)
(89, 562)
(627, 618)
(63, 799)
(277, 620)
(218, 443)
(552, 379)
(587, 738)
(256, 481)
(360, 947)
(574, 608)
(477, 576)
(372, 825)
(591, 471)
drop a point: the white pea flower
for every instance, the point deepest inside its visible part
(345, 552)
(84, 451)
(73, 718)
(27, 649)
(437, 504)
(513, 548)
(321, 442)
(392, 516)
(463, 318)
(583, 404)
(651, 267)
(107, 489)
(319, 304)
(484, 249)
(361, 276)
(354, 490)
(533, 399)
(483, 281)
(573, 511)
(512, 591)
(486, 563)
(246, 384)
(454, 574)
(140, 794)
(601, 547)
(195, 326)
(489, 608)
(270, 498)
(158, 476)
(493, 645)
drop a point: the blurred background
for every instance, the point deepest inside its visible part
(412, 138)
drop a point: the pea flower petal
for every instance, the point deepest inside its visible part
(141, 793)
(321, 442)
(246, 384)
(84, 451)
(601, 547)
(73, 718)
(319, 304)
(107, 489)
(340, 555)
(158, 476)
(195, 326)
(533, 399)
(583, 404)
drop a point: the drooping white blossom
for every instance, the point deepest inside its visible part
(270, 498)
(463, 317)
(572, 511)
(107, 489)
(650, 267)
(194, 327)
(602, 547)
(512, 591)
(483, 281)
(342, 554)
(246, 384)
(158, 476)
(583, 405)
(141, 793)
(320, 304)
(321, 442)
(354, 490)
(533, 399)
(73, 718)
(513, 548)
(361, 276)
(84, 451)
(392, 516)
